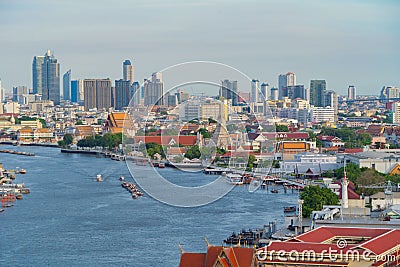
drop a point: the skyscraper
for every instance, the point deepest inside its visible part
(351, 92)
(229, 90)
(264, 92)
(1, 93)
(317, 93)
(97, 93)
(255, 91)
(122, 93)
(67, 85)
(74, 91)
(295, 91)
(37, 74)
(154, 90)
(128, 71)
(274, 93)
(18, 94)
(331, 100)
(285, 80)
(51, 79)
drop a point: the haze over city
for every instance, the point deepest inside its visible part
(343, 42)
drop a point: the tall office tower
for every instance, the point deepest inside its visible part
(255, 91)
(97, 93)
(128, 71)
(18, 94)
(274, 93)
(317, 93)
(229, 90)
(264, 96)
(295, 91)
(285, 80)
(74, 91)
(351, 92)
(135, 94)
(331, 100)
(390, 92)
(122, 94)
(154, 90)
(67, 85)
(51, 79)
(37, 74)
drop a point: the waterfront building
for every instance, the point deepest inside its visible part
(37, 74)
(363, 246)
(128, 71)
(51, 78)
(97, 93)
(229, 90)
(67, 85)
(351, 92)
(154, 90)
(317, 93)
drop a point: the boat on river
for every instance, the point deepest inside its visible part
(99, 178)
(235, 179)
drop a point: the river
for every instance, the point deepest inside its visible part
(69, 219)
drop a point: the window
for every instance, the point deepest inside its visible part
(373, 166)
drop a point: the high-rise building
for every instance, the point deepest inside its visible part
(135, 94)
(37, 74)
(390, 92)
(18, 94)
(351, 92)
(229, 90)
(255, 91)
(74, 91)
(154, 90)
(264, 96)
(396, 112)
(51, 79)
(67, 85)
(128, 71)
(331, 100)
(274, 93)
(122, 93)
(97, 93)
(285, 80)
(295, 91)
(322, 114)
(317, 93)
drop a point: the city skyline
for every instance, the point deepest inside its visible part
(342, 42)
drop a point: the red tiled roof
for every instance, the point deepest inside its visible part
(212, 255)
(186, 140)
(192, 259)
(383, 242)
(301, 247)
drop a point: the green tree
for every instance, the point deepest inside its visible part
(68, 139)
(250, 162)
(79, 122)
(281, 128)
(204, 132)
(193, 152)
(316, 197)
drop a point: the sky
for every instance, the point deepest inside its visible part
(344, 42)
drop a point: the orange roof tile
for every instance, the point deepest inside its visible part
(192, 259)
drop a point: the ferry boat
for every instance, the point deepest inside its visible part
(275, 191)
(121, 178)
(289, 209)
(235, 179)
(99, 178)
(161, 165)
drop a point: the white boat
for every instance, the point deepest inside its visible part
(121, 178)
(99, 178)
(235, 179)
